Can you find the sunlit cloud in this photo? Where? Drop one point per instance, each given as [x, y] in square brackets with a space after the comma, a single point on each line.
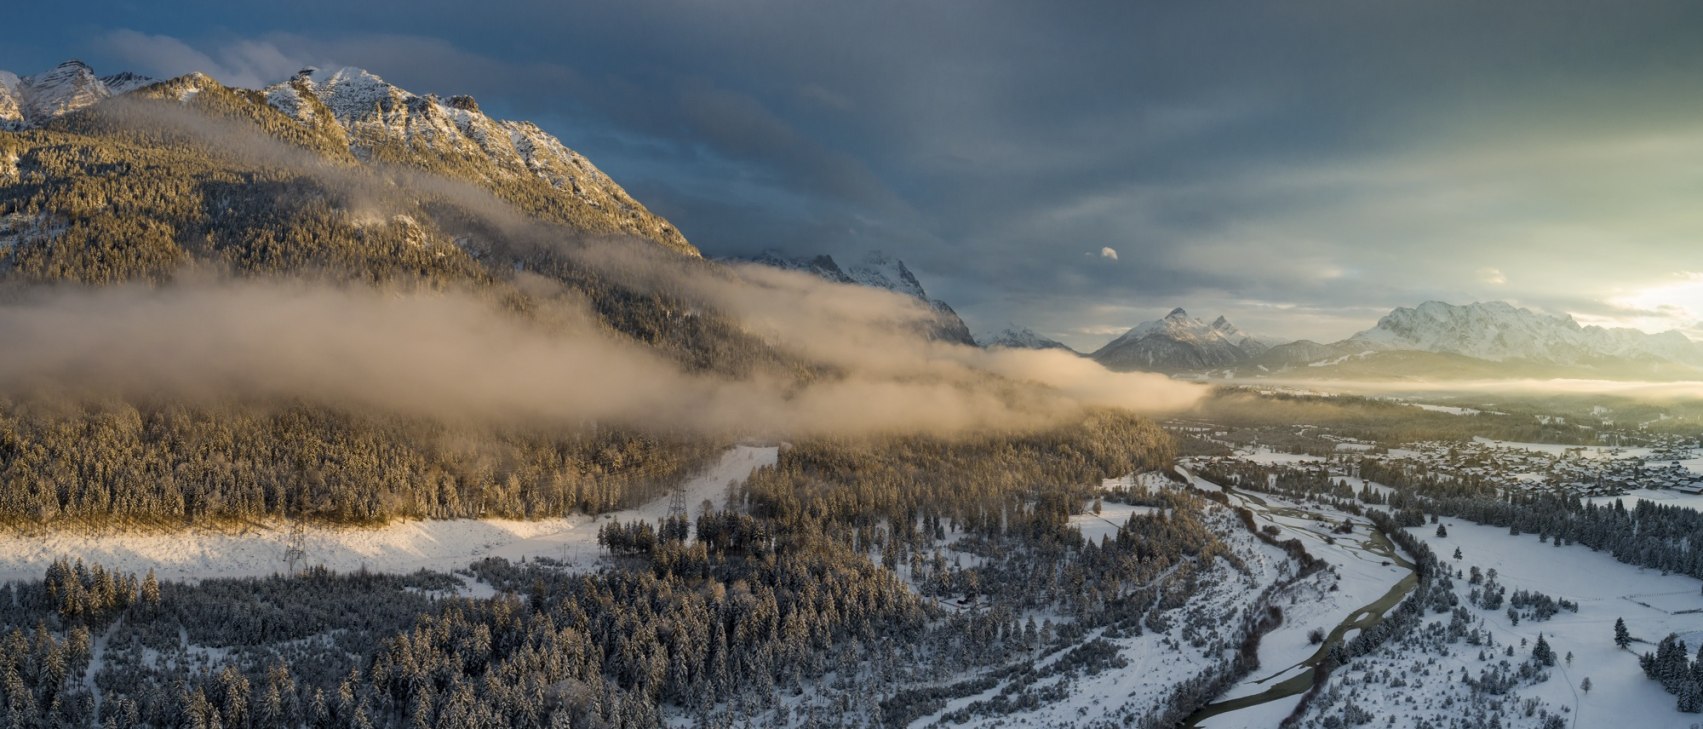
[1674, 304]
[1109, 252]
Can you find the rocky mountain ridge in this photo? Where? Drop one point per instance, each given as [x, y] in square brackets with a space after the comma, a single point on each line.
[876, 269]
[378, 123]
[1179, 343]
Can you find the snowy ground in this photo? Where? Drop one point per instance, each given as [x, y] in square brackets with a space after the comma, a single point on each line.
[399, 547]
[1652, 604]
[1359, 576]
[1662, 497]
[1556, 449]
[1269, 457]
[1155, 668]
[1112, 517]
[1450, 409]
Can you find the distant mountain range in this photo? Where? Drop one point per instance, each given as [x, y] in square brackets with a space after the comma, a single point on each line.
[877, 270]
[1433, 340]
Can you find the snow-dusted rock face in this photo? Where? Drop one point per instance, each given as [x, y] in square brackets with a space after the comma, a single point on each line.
[1019, 337]
[820, 266]
[879, 270]
[378, 121]
[875, 270]
[1179, 343]
[31, 101]
[379, 117]
[11, 106]
[1499, 332]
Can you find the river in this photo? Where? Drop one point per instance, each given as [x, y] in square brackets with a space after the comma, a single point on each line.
[1362, 618]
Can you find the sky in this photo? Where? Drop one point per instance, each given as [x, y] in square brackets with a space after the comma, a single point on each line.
[1076, 168]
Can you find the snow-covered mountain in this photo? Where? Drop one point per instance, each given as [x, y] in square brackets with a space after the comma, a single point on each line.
[379, 122]
[1499, 332]
[382, 120]
[1019, 337]
[1179, 343]
[31, 101]
[876, 270]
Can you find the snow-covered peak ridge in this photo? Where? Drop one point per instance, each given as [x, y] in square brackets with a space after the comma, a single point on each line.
[378, 120]
[882, 271]
[1180, 326]
[375, 114]
[1179, 343]
[1019, 337]
[821, 266]
[30, 101]
[1499, 331]
[875, 270]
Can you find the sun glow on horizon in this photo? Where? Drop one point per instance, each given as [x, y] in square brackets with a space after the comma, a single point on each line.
[1674, 305]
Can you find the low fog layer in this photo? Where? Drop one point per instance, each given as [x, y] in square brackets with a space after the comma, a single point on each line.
[1642, 390]
[456, 357]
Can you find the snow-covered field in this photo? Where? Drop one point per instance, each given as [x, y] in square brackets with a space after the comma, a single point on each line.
[1359, 576]
[1158, 662]
[1652, 604]
[1450, 409]
[1664, 497]
[401, 547]
[1269, 457]
[1111, 518]
[1556, 449]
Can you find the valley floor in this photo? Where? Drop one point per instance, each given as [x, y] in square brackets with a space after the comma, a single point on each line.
[258, 550]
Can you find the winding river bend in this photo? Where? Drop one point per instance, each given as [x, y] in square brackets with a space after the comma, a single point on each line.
[1361, 618]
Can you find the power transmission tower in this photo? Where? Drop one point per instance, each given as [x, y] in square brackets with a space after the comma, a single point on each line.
[677, 501]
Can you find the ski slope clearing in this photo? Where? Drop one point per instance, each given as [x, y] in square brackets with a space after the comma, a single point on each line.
[1423, 680]
[401, 547]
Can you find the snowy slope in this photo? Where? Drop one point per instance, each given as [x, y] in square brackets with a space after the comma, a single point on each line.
[11, 100]
[378, 116]
[882, 271]
[31, 101]
[378, 121]
[1179, 343]
[255, 550]
[875, 270]
[1018, 337]
[823, 266]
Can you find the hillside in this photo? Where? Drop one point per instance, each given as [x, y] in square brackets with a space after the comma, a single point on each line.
[333, 185]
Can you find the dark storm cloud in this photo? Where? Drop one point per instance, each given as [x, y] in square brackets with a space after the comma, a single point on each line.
[1298, 166]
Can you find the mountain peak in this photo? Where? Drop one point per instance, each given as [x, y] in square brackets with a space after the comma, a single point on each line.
[35, 100]
[1019, 337]
[883, 271]
[1179, 343]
